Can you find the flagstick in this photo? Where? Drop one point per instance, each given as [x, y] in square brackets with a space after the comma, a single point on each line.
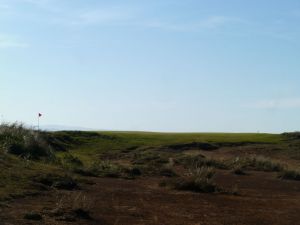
[38, 122]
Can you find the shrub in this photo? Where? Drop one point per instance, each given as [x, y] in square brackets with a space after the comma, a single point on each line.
[81, 207]
[133, 172]
[238, 170]
[71, 162]
[263, 164]
[290, 175]
[198, 180]
[257, 163]
[200, 161]
[70, 208]
[105, 169]
[167, 172]
[26, 143]
[56, 181]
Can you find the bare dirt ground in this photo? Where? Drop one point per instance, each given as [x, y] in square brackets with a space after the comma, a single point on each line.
[263, 199]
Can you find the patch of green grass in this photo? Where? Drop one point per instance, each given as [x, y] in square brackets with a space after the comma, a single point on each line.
[158, 139]
[18, 176]
[70, 162]
[119, 145]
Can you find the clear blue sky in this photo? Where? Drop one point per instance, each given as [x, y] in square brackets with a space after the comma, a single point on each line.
[159, 65]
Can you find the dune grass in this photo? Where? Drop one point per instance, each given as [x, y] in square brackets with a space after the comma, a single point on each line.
[28, 158]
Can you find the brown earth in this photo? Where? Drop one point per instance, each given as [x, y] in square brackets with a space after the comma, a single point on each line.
[263, 199]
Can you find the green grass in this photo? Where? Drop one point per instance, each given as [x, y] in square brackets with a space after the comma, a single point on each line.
[121, 141]
[18, 176]
[156, 139]
[143, 149]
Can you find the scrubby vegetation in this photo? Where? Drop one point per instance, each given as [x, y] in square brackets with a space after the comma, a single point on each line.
[26, 143]
[199, 179]
[200, 161]
[65, 163]
[28, 163]
[290, 174]
[31, 161]
[258, 163]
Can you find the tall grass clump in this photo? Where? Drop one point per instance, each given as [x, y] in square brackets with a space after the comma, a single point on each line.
[105, 169]
[290, 175]
[70, 161]
[200, 161]
[27, 143]
[258, 163]
[198, 179]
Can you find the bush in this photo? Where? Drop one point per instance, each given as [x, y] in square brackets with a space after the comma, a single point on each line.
[198, 180]
[167, 172]
[256, 163]
[290, 175]
[105, 169]
[200, 161]
[238, 170]
[71, 208]
[267, 165]
[56, 181]
[133, 172]
[71, 162]
[26, 143]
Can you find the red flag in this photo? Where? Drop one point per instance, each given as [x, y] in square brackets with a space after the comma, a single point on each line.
[40, 114]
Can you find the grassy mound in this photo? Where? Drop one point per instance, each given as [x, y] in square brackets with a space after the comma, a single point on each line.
[26, 143]
[28, 163]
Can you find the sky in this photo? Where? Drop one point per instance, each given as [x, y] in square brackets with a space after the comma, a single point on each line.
[171, 65]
